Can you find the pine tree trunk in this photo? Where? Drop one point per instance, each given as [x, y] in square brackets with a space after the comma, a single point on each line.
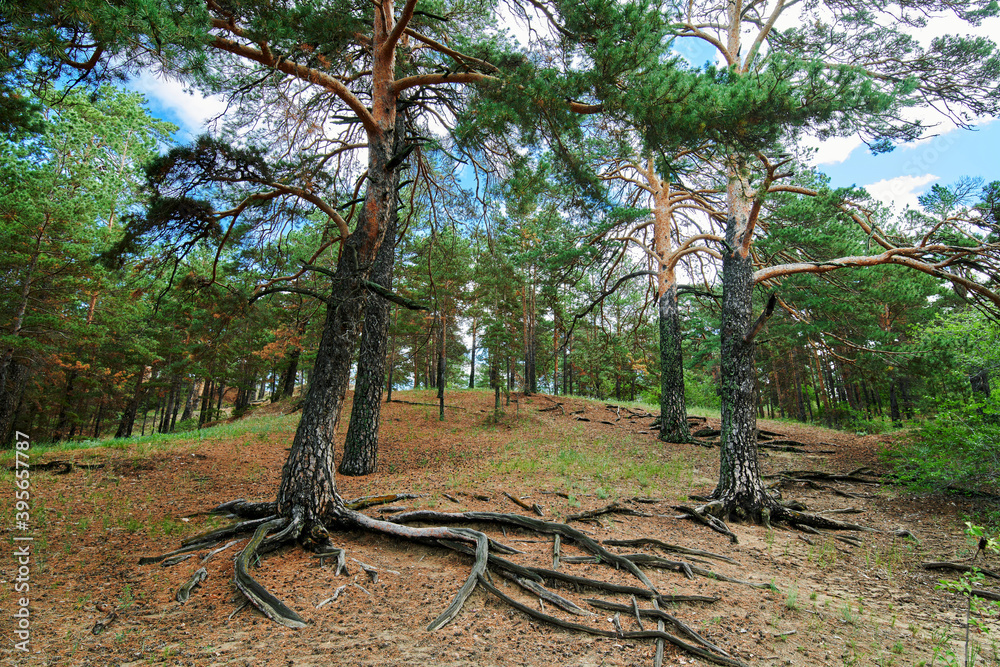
[800, 397]
[441, 368]
[206, 401]
[740, 489]
[97, 418]
[361, 442]
[673, 411]
[10, 401]
[894, 415]
[555, 355]
[308, 487]
[177, 403]
[472, 358]
[64, 416]
[220, 394]
[127, 421]
[168, 409]
[189, 402]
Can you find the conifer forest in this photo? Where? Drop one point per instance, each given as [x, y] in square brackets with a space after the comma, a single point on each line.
[526, 332]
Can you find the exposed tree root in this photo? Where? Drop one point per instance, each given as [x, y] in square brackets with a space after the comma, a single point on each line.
[433, 405]
[792, 447]
[613, 508]
[704, 516]
[184, 593]
[258, 596]
[59, 466]
[767, 511]
[816, 475]
[523, 505]
[958, 567]
[669, 547]
[270, 531]
[643, 634]
[682, 627]
[986, 595]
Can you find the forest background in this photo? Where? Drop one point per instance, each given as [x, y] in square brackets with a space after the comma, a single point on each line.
[521, 264]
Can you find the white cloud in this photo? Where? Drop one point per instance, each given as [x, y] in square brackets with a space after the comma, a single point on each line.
[946, 23]
[192, 109]
[830, 151]
[900, 192]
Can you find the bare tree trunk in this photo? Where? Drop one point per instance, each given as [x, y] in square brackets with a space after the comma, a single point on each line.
[10, 401]
[472, 358]
[206, 401]
[361, 442]
[127, 421]
[64, 413]
[740, 488]
[189, 401]
[441, 366]
[308, 487]
[673, 410]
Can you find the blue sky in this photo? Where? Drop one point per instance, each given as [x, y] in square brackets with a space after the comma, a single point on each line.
[911, 169]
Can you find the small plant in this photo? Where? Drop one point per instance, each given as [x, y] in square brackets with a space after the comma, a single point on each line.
[976, 608]
[126, 598]
[792, 599]
[847, 614]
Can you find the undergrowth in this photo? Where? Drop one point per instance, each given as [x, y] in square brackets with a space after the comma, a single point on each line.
[955, 450]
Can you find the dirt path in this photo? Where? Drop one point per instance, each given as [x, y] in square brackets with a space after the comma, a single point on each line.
[836, 604]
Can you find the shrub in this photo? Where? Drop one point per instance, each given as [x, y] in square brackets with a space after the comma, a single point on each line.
[960, 447]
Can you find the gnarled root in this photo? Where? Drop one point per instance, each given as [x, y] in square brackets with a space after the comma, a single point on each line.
[270, 531]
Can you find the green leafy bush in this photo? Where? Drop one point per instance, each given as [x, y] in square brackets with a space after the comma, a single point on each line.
[960, 447]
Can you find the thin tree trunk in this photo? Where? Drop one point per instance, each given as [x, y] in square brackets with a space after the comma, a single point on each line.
[127, 421]
[441, 366]
[177, 404]
[206, 401]
[97, 418]
[156, 415]
[472, 358]
[800, 397]
[64, 417]
[894, 414]
[673, 410]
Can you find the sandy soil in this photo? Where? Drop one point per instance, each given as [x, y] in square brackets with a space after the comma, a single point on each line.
[835, 603]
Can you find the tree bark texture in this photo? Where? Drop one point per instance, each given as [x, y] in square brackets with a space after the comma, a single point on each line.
[127, 421]
[361, 443]
[673, 411]
[740, 487]
[10, 400]
[307, 479]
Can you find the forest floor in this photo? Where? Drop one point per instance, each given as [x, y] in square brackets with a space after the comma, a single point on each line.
[834, 603]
